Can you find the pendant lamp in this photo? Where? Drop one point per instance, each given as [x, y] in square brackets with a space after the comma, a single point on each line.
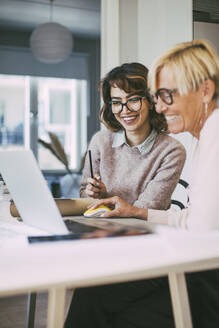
[51, 43]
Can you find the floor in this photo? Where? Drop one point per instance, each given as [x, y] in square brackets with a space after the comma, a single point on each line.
[13, 310]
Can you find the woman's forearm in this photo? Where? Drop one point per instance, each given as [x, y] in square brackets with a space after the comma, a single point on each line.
[140, 213]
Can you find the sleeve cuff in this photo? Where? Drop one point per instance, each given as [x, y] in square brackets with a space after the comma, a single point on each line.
[157, 216]
[171, 217]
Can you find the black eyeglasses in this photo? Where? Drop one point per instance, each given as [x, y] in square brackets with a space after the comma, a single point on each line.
[166, 95]
[133, 104]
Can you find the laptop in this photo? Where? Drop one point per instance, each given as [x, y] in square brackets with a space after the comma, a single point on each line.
[31, 194]
[35, 203]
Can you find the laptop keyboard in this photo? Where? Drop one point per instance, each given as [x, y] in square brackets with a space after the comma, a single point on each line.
[77, 227]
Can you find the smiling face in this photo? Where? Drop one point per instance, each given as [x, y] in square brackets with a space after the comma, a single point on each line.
[136, 123]
[186, 111]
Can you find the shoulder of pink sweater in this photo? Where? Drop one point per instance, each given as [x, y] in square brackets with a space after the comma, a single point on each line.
[164, 140]
[103, 136]
[104, 133]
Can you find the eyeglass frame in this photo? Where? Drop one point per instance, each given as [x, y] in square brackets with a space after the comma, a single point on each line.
[170, 94]
[125, 104]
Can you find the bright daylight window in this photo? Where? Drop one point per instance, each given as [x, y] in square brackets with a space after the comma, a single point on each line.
[61, 109]
[13, 112]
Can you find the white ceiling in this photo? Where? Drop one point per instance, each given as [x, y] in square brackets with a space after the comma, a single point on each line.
[82, 17]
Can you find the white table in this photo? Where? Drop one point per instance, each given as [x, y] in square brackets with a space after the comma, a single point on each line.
[61, 265]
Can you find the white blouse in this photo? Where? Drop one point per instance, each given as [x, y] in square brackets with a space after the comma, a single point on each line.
[203, 211]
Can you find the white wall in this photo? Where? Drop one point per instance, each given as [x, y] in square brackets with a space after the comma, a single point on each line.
[162, 24]
[109, 35]
[140, 30]
[128, 33]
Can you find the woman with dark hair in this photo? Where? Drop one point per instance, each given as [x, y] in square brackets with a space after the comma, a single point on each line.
[133, 158]
[130, 77]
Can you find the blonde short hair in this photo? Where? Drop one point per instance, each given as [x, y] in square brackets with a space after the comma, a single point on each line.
[192, 63]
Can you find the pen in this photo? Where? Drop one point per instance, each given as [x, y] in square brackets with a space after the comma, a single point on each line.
[91, 167]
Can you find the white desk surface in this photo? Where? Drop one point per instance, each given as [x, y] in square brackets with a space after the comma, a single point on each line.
[87, 262]
[59, 265]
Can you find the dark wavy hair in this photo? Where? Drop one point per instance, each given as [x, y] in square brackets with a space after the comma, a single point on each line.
[130, 77]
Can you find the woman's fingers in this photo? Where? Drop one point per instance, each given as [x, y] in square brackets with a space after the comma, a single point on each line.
[111, 214]
[93, 182]
[97, 176]
[92, 188]
[121, 207]
[105, 201]
[92, 194]
[95, 187]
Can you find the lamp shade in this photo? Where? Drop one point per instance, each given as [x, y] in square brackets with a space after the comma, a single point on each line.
[51, 43]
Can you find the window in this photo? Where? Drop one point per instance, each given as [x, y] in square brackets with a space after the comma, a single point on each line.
[14, 114]
[30, 107]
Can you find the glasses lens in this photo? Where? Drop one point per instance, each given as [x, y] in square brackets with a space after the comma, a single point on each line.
[134, 104]
[165, 95]
[116, 106]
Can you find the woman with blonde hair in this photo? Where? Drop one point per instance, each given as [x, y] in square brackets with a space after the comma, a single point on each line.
[185, 86]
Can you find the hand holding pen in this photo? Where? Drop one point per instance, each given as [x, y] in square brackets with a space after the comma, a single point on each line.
[95, 187]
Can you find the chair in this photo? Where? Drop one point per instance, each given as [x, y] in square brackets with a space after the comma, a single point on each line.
[179, 202]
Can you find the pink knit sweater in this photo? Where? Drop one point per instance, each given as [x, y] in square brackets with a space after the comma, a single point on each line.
[146, 181]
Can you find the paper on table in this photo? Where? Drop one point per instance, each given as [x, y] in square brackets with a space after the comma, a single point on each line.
[66, 206]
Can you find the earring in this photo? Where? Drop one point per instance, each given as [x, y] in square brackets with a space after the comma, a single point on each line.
[206, 109]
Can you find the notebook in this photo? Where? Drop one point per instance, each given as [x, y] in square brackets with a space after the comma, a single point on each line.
[33, 198]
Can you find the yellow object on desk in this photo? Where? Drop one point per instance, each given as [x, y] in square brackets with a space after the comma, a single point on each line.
[97, 212]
